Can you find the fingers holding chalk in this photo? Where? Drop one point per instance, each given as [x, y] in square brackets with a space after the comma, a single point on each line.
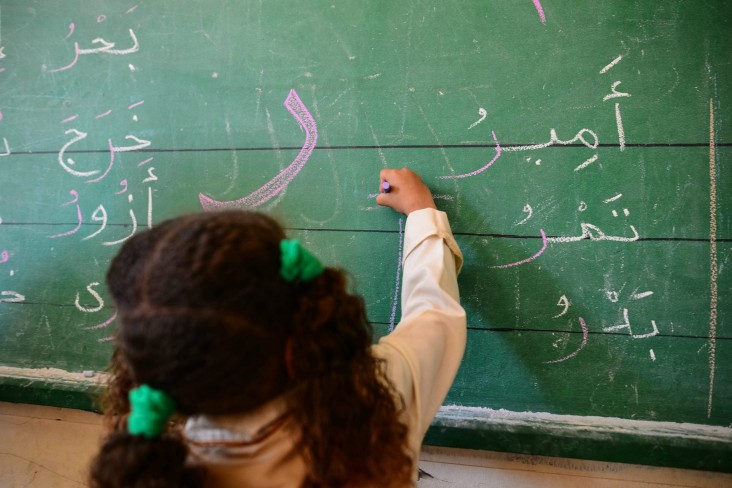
[384, 195]
[403, 191]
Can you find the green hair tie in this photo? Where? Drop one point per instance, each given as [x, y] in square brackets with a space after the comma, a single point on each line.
[297, 263]
[150, 410]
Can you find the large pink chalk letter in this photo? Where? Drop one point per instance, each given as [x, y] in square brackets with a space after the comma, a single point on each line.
[539, 9]
[274, 186]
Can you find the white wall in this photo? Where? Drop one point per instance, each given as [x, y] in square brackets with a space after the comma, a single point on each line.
[44, 447]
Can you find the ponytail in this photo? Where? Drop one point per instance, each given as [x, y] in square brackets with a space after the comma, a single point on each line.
[345, 406]
[143, 455]
[134, 461]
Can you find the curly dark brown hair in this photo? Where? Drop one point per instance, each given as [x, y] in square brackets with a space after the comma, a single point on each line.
[205, 317]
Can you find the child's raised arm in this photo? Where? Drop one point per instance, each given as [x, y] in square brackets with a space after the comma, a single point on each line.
[425, 349]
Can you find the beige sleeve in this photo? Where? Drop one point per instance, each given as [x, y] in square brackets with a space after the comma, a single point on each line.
[425, 349]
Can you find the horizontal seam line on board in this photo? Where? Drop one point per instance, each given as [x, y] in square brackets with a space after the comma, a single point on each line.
[57, 224]
[394, 231]
[388, 146]
[51, 304]
[598, 333]
[483, 329]
[502, 236]
[590, 332]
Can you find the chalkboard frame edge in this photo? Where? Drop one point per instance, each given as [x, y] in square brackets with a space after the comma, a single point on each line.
[51, 393]
[533, 435]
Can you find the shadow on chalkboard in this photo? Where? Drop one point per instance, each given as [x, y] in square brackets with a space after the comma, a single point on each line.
[520, 342]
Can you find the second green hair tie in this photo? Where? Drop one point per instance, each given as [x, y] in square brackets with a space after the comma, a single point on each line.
[150, 410]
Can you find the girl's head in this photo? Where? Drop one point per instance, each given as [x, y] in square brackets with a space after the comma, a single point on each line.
[206, 317]
[203, 313]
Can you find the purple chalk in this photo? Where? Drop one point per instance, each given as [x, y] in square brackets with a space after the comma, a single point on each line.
[386, 187]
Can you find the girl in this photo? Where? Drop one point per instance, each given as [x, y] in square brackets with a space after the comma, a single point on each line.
[269, 359]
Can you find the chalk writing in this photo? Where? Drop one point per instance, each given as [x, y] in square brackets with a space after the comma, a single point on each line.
[122, 190]
[90, 289]
[104, 324]
[100, 215]
[612, 63]
[106, 48]
[397, 283]
[529, 211]
[67, 163]
[14, 297]
[713, 261]
[480, 170]
[626, 325]
[594, 233]
[532, 258]
[6, 151]
[614, 296]
[554, 139]
[9, 296]
[614, 93]
[563, 302]
[540, 10]
[576, 351]
[74, 200]
[132, 231]
[123, 184]
[277, 184]
[587, 162]
[483, 114]
[640, 296]
[592, 143]
[589, 231]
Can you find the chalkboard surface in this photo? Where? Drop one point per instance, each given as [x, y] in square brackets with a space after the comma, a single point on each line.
[581, 149]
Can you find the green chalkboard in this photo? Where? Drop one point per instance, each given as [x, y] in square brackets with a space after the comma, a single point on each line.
[582, 150]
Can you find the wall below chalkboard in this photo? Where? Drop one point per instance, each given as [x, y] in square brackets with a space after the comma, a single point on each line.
[45, 446]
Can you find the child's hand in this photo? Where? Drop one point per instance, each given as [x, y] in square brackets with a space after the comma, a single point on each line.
[407, 194]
